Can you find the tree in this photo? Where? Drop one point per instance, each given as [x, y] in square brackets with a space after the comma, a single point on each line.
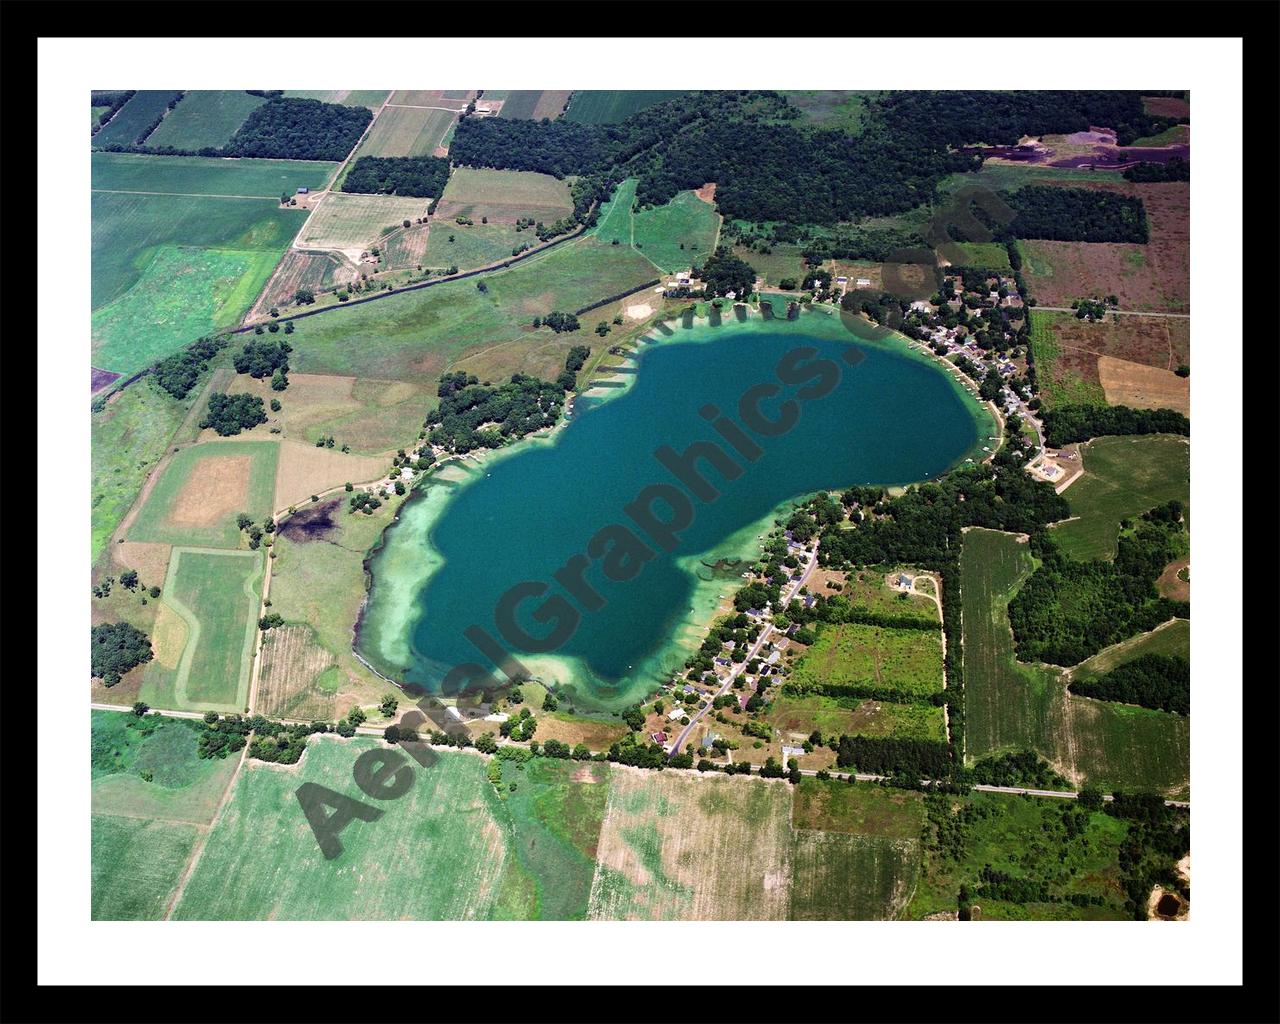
[129, 579]
[140, 708]
[154, 591]
[230, 414]
[115, 649]
[724, 273]
[270, 621]
[279, 381]
[391, 734]
[1090, 799]
[549, 702]
[275, 405]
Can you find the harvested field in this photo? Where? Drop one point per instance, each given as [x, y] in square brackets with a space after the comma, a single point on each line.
[214, 490]
[150, 561]
[683, 847]
[298, 269]
[597, 734]
[1175, 581]
[1143, 387]
[503, 196]
[304, 470]
[428, 98]
[851, 878]
[368, 416]
[1166, 106]
[406, 248]
[438, 853]
[406, 131]
[354, 223]
[291, 663]
[1154, 277]
[198, 494]
[534, 104]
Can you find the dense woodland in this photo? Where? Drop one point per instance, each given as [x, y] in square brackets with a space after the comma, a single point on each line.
[1153, 681]
[1070, 423]
[1069, 610]
[1176, 169]
[422, 176]
[1075, 215]
[723, 273]
[115, 648]
[177, 374]
[230, 414]
[473, 415]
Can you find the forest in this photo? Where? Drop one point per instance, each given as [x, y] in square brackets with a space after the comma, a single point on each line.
[1176, 169]
[1069, 610]
[419, 176]
[1075, 215]
[522, 405]
[177, 374]
[1070, 423]
[723, 273]
[117, 647]
[230, 414]
[1153, 681]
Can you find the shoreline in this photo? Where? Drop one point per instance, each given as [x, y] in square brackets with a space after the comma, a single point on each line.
[690, 627]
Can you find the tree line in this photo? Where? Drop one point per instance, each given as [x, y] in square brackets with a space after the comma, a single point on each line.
[421, 176]
[1070, 423]
[1152, 680]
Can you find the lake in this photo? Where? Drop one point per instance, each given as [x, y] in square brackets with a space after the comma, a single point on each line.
[474, 529]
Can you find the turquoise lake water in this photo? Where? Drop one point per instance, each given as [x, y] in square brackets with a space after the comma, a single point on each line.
[477, 528]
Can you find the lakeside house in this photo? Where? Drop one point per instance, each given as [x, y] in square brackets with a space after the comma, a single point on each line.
[659, 738]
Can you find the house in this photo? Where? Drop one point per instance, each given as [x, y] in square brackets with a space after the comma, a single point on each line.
[791, 752]
[688, 688]
[303, 190]
[808, 601]
[708, 740]
[773, 658]
[904, 581]
[863, 282]
[659, 738]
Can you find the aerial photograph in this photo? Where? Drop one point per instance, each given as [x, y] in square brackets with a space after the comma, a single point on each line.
[614, 505]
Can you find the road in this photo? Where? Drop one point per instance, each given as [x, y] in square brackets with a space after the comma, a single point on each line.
[741, 666]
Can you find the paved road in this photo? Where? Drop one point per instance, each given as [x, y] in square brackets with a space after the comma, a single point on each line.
[739, 667]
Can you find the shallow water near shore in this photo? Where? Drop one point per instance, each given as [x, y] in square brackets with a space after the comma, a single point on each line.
[476, 528]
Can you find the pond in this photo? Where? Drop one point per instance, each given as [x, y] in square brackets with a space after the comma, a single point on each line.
[867, 411]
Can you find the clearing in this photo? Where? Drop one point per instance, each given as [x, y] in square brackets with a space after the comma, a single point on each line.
[502, 196]
[354, 223]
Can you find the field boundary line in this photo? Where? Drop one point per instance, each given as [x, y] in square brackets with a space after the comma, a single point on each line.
[188, 195]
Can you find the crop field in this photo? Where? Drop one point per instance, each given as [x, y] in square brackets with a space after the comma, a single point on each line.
[205, 117]
[292, 665]
[368, 416]
[1010, 706]
[1001, 177]
[134, 117]
[470, 246]
[216, 594]
[1155, 277]
[502, 196]
[304, 470]
[372, 98]
[907, 661]
[609, 106]
[615, 223]
[205, 176]
[1172, 640]
[798, 716]
[136, 866]
[681, 847]
[1067, 377]
[199, 493]
[534, 104]
[298, 269]
[437, 853]
[1025, 838]
[987, 255]
[406, 131]
[406, 248]
[1143, 387]
[182, 294]
[553, 821]
[416, 336]
[355, 222]
[429, 98]
[129, 437]
[1123, 477]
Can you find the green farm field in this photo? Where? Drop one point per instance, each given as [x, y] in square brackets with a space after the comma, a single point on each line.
[531, 104]
[503, 197]
[137, 864]
[134, 117]
[905, 661]
[1010, 706]
[129, 436]
[673, 236]
[406, 131]
[1025, 838]
[205, 176]
[475, 245]
[419, 335]
[986, 255]
[205, 117]
[217, 596]
[356, 222]
[182, 294]
[197, 497]
[437, 853]
[609, 106]
[1059, 385]
[1123, 478]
